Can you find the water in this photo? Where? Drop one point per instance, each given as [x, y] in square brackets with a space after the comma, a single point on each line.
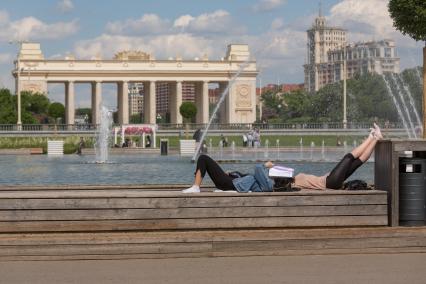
[233, 149]
[278, 149]
[404, 105]
[397, 106]
[219, 103]
[102, 137]
[411, 101]
[130, 169]
[323, 150]
[312, 149]
[266, 149]
[301, 148]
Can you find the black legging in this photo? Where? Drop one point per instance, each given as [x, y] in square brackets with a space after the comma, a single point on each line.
[342, 171]
[220, 179]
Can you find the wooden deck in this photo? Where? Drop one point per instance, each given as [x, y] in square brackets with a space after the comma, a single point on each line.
[94, 209]
[217, 243]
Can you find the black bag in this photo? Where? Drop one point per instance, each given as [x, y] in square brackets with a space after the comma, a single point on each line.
[356, 185]
[284, 185]
[236, 174]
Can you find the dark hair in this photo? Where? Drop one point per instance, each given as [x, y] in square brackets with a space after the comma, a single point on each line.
[283, 183]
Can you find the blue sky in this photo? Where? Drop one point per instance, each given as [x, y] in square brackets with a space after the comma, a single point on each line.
[274, 29]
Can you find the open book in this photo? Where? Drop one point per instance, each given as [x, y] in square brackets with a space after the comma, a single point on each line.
[281, 171]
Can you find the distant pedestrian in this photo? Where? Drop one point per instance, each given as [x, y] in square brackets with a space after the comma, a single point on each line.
[245, 140]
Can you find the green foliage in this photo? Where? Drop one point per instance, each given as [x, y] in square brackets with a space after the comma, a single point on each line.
[409, 17]
[7, 107]
[188, 110]
[368, 99]
[56, 110]
[136, 118]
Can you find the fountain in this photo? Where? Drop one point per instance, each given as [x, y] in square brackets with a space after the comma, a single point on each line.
[278, 149]
[219, 103]
[345, 147]
[266, 154]
[312, 149]
[301, 148]
[233, 149]
[411, 101]
[323, 150]
[210, 146]
[397, 106]
[102, 136]
[404, 105]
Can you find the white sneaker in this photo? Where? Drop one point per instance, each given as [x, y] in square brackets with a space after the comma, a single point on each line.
[377, 132]
[192, 189]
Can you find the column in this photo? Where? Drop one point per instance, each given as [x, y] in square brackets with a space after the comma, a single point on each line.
[202, 101]
[96, 102]
[175, 101]
[149, 105]
[69, 103]
[18, 96]
[123, 102]
[223, 108]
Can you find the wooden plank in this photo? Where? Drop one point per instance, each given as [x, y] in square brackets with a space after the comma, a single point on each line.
[341, 243]
[191, 213]
[188, 202]
[163, 194]
[245, 247]
[106, 249]
[208, 235]
[202, 223]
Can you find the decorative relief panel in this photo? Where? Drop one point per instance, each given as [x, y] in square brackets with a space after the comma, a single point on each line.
[35, 87]
[243, 96]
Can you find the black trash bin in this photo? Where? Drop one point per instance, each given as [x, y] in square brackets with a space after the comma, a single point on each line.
[412, 191]
[164, 146]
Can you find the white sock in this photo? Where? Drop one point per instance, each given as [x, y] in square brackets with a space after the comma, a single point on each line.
[193, 189]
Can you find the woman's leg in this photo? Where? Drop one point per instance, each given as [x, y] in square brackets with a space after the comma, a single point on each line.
[219, 177]
[352, 161]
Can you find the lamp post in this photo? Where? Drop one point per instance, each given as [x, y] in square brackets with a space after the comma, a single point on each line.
[18, 84]
[345, 121]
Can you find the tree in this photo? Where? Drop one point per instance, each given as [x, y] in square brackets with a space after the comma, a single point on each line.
[7, 109]
[409, 17]
[56, 110]
[188, 110]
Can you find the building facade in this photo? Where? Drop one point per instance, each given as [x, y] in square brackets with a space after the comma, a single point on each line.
[33, 72]
[328, 52]
[321, 40]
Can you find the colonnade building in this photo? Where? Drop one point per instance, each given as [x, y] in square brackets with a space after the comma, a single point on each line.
[33, 73]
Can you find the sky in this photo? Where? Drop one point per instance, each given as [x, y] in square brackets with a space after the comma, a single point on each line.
[275, 31]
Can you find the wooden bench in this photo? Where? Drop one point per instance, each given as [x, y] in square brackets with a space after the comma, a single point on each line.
[144, 209]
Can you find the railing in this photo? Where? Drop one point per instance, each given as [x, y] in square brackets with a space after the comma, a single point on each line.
[194, 126]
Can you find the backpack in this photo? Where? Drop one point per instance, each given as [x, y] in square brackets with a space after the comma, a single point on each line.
[356, 185]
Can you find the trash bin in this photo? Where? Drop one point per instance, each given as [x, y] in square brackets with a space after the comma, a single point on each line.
[412, 191]
[164, 146]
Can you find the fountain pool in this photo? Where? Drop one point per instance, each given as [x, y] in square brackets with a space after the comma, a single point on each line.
[129, 169]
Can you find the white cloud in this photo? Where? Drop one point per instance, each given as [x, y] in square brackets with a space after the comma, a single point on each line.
[161, 46]
[367, 20]
[65, 6]
[183, 21]
[31, 28]
[4, 17]
[267, 5]
[217, 22]
[277, 23]
[5, 58]
[147, 24]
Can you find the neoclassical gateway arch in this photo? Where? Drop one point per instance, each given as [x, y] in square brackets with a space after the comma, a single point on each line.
[35, 73]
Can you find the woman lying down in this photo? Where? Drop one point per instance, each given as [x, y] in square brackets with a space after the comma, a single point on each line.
[261, 181]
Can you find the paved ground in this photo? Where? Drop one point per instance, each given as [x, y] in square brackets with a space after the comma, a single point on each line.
[384, 268]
